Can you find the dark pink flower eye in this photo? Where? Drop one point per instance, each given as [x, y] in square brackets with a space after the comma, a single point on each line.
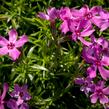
[10, 45]
[98, 63]
[88, 16]
[77, 32]
[21, 94]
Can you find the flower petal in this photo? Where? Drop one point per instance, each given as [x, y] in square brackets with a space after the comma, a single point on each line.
[3, 51]
[12, 104]
[87, 32]
[5, 89]
[104, 99]
[43, 16]
[87, 55]
[21, 41]
[106, 90]
[104, 26]
[19, 101]
[2, 106]
[97, 20]
[64, 27]
[12, 35]
[84, 10]
[103, 72]
[96, 10]
[84, 41]
[76, 13]
[3, 41]
[79, 81]
[14, 54]
[52, 13]
[105, 60]
[65, 13]
[24, 106]
[94, 98]
[16, 91]
[26, 96]
[92, 71]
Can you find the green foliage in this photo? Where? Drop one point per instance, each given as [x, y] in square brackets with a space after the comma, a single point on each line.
[48, 66]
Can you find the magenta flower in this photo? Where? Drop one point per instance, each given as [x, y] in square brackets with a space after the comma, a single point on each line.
[13, 104]
[2, 102]
[102, 21]
[97, 55]
[83, 13]
[100, 93]
[87, 84]
[69, 21]
[19, 96]
[12, 45]
[87, 14]
[65, 13]
[52, 14]
[21, 93]
[90, 13]
[81, 31]
[68, 25]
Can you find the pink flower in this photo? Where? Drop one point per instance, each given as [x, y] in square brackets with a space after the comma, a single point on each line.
[52, 14]
[12, 104]
[90, 13]
[80, 32]
[65, 13]
[100, 93]
[102, 21]
[69, 21]
[20, 96]
[5, 89]
[87, 14]
[87, 84]
[12, 45]
[21, 93]
[97, 55]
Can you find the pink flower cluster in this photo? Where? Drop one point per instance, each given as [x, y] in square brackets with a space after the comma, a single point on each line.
[18, 97]
[82, 24]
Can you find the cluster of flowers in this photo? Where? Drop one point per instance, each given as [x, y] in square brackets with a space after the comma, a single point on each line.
[82, 23]
[17, 98]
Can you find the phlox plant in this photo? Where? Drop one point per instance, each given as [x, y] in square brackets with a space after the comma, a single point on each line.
[56, 58]
[80, 23]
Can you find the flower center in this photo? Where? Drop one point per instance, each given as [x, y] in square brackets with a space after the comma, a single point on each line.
[10, 45]
[99, 92]
[77, 32]
[97, 63]
[88, 16]
[21, 94]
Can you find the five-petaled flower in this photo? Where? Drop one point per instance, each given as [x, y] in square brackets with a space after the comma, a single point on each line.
[21, 92]
[87, 84]
[19, 97]
[100, 93]
[97, 56]
[12, 45]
